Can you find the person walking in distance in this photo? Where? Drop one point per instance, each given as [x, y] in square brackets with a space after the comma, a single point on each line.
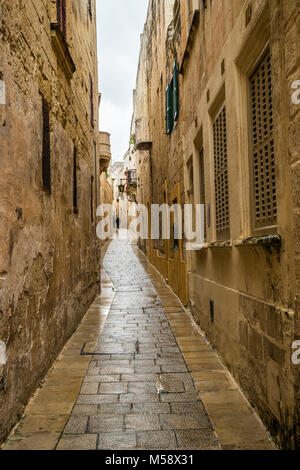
[118, 224]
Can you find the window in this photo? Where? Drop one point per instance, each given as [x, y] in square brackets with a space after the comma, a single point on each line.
[264, 200]
[62, 16]
[172, 100]
[75, 197]
[90, 8]
[169, 106]
[202, 186]
[175, 92]
[92, 199]
[132, 178]
[91, 101]
[190, 11]
[190, 174]
[59, 38]
[177, 19]
[175, 228]
[46, 162]
[221, 176]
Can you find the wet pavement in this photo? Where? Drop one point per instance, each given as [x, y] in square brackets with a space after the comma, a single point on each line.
[138, 374]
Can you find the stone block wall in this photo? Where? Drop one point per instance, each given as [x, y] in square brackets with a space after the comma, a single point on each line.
[291, 25]
[254, 288]
[49, 272]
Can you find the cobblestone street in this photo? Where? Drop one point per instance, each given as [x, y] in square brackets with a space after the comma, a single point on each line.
[138, 374]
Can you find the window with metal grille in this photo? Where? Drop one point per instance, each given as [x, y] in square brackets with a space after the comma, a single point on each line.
[61, 8]
[75, 191]
[202, 187]
[262, 148]
[91, 101]
[46, 157]
[221, 176]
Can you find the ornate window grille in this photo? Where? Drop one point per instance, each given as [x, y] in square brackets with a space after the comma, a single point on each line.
[262, 146]
[221, 176]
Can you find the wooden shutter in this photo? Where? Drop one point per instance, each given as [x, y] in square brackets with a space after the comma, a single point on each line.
[46, 155]
[263, 154]
[221, 176]
[169, 108]
[62, 16]
[175, 92]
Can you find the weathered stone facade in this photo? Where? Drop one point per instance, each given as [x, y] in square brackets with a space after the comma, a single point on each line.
[49, 272]
[244, 284]
[106, 193]
[106, 196]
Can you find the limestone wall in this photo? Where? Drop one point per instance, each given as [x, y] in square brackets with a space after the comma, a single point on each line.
[291, 74]
[49, 273]
[254, 288]
[106, 193]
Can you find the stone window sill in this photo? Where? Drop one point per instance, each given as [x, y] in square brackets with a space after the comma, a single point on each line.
[205, 246]
[201, 246]
[223, 244]
[264, 241]
[61, 50]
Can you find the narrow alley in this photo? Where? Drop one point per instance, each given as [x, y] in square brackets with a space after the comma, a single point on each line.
[137, 374]
[150, 226]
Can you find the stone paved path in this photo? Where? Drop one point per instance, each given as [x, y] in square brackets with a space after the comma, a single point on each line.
[137, 374]
[138, 392]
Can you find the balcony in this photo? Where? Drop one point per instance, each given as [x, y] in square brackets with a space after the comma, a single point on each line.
[104, 150]
[142, 134]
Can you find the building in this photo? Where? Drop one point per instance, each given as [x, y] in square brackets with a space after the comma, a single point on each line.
[49, 271]
[124, 184]
[104, 150]
[131, 182]
[117, 177]
[216, 125]
[106, 192]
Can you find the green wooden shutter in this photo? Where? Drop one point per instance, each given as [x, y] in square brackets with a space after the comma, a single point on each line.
[169, 108]
[175, 92]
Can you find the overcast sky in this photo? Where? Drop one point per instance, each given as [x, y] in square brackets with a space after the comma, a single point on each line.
[119, 23]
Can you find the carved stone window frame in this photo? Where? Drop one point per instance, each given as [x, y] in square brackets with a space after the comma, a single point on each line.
[214, 110]
[62, 44]
[254, 46]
